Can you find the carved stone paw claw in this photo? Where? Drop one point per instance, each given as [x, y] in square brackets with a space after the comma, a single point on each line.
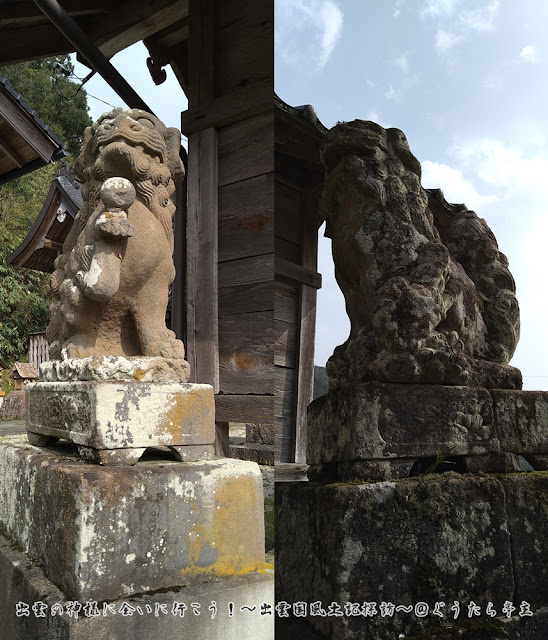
[115, 224]
[166, 349]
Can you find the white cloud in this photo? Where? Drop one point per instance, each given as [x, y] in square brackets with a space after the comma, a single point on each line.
[402, 62]
[397, 8]
[392, 94]
[482, 18]
[307, 30]
[457, 19]
[446, 41]
[330, 23]
[437, 8]
[529, 53]
[455, 186]
[504, 166]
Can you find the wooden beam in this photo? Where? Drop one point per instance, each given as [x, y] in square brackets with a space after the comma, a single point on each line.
[246, 218]
[131, 22]
[222, 442]
[307, 313]
[246, 353]
[248, 408]
[290, 472]
[178, 57]
[179, 256]
[228, 109]
[37, 41]
[25, 126]
[202, 256]
[246, 270]
[246, 298]
[291, 271]
[24, 12]
[201, 54]
[170, 36]
[50, 244]
[11, 153]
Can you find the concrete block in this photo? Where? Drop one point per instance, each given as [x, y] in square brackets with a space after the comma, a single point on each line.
[110, 532]
[122, 416]
[231, 608]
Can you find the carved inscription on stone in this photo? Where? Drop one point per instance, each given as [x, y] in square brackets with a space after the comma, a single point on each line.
[70, 411]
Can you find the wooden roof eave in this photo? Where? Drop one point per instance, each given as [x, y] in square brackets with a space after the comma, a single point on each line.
[26, 125]
[26, 33]
[38, 232]
[27, 142]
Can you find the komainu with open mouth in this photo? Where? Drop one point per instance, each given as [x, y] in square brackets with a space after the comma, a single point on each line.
[429, 295]
[111, 281]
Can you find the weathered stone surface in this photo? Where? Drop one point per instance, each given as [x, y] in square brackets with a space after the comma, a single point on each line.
[376, 421]
[377, 431]
[259, 453]
[259, 433]
[429, 296]
[442, 538]
[111, 281]
[527, 499]
[492, 463]
[115, 368]
[13, 407]
[522, 420]
[109, 533]
[152, 615]
[122, 415]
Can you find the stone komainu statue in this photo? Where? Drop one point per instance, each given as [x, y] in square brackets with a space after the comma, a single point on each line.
[430, 297]
[111, 281]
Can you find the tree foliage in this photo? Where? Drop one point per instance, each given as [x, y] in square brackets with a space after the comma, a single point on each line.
[24, 293]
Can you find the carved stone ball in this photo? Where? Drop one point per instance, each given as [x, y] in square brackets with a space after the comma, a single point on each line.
[117, 193]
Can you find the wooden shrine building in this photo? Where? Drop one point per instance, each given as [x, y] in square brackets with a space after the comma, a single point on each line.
[44, 241]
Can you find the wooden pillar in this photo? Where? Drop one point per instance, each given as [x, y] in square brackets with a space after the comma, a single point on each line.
[307, 320]
[202, 279]
[230, 245]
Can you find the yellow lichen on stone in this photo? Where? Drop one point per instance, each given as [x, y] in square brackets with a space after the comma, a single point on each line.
[138, 373]
[227, 534]
[188, 412]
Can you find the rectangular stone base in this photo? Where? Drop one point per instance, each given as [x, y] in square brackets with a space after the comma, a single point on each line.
[231, 608]
[379, 431]
[107, 533]
[125, 417]
[439, 539]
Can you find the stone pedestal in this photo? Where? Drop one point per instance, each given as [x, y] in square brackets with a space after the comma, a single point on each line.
[231, 608]
[380, 431]
[415, 543]
[109, 533]
[435, 555]
[114, 408]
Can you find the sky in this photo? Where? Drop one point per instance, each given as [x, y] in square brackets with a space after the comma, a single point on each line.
[463, 79]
